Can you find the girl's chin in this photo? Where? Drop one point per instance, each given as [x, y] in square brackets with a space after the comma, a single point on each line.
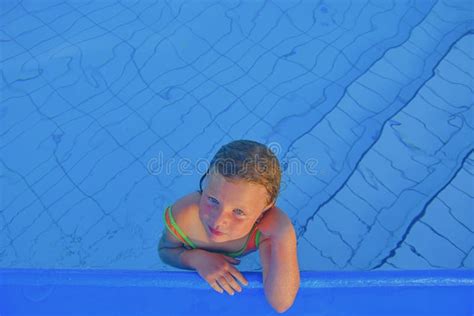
[218, 239]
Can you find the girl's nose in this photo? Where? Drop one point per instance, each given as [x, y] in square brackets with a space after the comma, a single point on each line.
[218, 220]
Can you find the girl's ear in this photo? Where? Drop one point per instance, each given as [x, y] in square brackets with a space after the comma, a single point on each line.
[269, 207]
[260, 218]
[265, 212]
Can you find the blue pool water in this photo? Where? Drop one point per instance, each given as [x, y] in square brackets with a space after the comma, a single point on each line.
[109, 112]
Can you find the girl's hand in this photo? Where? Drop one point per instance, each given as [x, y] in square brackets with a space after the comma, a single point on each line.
[218, 270]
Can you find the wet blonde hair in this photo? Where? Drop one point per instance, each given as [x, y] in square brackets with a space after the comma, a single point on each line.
[250, 161]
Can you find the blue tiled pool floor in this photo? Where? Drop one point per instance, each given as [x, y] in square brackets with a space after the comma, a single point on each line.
[101, 101]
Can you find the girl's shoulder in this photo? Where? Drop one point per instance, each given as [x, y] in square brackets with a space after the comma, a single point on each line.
[185, 208]
[273, 222]
[185, 212]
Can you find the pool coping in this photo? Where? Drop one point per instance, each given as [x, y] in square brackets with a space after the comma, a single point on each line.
[190, 279]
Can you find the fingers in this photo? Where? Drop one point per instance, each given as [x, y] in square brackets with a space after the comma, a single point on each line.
[228, 283]
[236, 273]
[216, 287]
[232, 283]
[220, 283]
[224, 282]
[226, 279]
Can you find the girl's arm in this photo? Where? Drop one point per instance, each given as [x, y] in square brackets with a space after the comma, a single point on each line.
[281, 277]
[172, 252]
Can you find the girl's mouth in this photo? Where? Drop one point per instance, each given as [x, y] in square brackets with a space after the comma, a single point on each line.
[215, 232]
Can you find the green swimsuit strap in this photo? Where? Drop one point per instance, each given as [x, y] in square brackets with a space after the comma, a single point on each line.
[257, 241]
[175, 228]
[180, 235]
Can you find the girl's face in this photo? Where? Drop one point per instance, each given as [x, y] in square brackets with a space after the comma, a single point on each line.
[230, 207]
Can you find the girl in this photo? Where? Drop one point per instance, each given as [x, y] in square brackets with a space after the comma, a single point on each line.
[233, 214]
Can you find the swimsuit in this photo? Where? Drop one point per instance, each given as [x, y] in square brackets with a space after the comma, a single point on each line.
[251, 244]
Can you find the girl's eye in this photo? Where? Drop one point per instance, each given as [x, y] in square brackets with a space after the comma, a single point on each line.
[240, 212]
[213, 200]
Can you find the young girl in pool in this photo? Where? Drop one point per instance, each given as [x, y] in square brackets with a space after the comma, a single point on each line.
[233, 214]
